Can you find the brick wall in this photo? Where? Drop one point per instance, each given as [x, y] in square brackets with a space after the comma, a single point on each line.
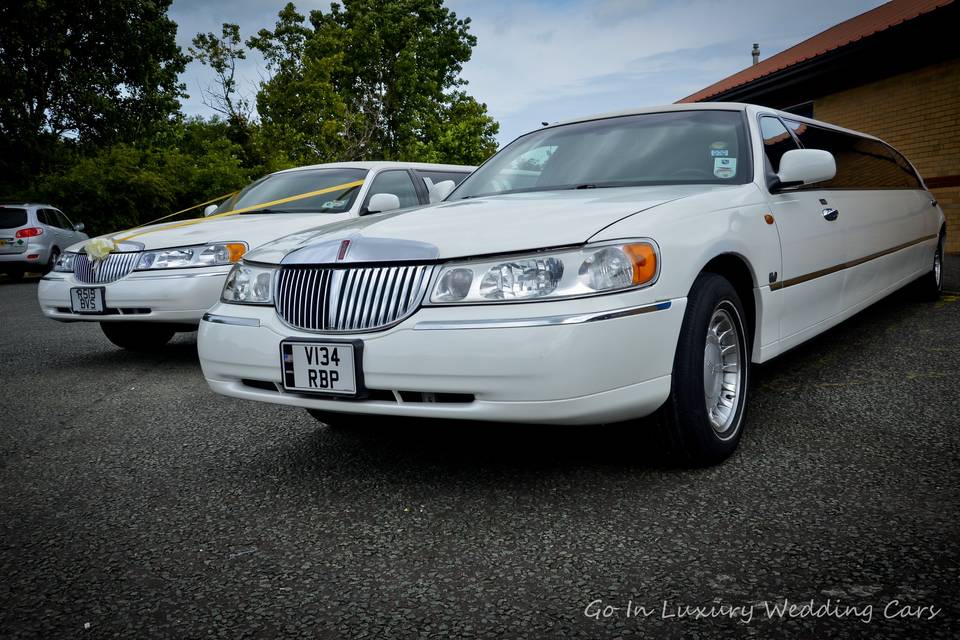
[919, 114]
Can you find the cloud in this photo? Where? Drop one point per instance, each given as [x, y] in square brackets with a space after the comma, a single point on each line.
[541, 60]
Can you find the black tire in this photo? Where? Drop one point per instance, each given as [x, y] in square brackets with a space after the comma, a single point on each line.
[138, 336]
[54, 256]
[930, 286]
[685, 427]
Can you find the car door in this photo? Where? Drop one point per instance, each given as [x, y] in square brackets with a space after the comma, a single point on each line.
[57, 227]
[72, 234]
[812, 244]
[882, 214]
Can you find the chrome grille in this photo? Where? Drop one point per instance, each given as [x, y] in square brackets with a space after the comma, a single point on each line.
[349, 299]
[114, 267]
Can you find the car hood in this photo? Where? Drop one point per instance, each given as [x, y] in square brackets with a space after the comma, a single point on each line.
[254, 229]
[493, 224]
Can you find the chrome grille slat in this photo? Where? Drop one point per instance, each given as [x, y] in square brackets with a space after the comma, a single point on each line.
[114, 267]
[343, 299]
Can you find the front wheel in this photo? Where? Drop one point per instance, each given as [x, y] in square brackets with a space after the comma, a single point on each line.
[137, 336]
[701, 422]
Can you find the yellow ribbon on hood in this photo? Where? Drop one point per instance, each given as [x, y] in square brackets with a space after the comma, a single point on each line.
[233, 212]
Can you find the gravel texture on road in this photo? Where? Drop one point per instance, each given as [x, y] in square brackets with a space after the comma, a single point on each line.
[135, 503]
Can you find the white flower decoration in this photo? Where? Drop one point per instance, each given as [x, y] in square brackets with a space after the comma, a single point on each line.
[99, 248]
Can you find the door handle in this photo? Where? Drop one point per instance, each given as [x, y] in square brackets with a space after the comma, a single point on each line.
[830, 214]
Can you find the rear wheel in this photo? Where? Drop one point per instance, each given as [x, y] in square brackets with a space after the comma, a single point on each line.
[137, 336]
[702, 419]
[930, 286]
[54, 256]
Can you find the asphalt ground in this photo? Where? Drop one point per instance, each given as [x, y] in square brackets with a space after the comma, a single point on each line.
[135, 503]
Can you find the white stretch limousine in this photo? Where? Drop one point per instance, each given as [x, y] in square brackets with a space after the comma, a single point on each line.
[593, 271]
[159, 279]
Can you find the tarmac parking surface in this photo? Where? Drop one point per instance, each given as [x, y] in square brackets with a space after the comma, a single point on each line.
[136, 503]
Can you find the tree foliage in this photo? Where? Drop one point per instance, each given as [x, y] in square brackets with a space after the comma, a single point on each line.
[97, 72]
[373, 79]
[90, 119]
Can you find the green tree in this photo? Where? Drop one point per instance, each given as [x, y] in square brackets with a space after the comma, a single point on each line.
[94, 72]
[124, 185]
[372, 79]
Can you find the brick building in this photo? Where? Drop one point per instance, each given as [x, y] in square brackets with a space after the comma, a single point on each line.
[893, 72]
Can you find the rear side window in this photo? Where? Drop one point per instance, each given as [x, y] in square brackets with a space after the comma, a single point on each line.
[776, 141]
[12, 218]
[861, 163]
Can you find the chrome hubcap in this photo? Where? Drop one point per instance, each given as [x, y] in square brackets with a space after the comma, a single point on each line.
[721, 371]
[936, 267]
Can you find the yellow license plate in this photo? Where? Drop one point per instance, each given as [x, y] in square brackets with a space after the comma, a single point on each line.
[2, 242]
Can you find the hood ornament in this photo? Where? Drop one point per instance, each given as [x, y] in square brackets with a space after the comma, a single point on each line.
[362, 249]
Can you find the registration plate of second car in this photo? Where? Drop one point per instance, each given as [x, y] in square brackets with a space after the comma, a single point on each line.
[320, 367]
[86, 299]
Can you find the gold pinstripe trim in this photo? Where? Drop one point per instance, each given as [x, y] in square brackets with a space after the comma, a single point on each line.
[847, 265]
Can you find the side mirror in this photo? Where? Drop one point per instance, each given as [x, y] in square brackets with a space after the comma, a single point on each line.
[383, 202]
[805, 166]
[441, 190]
[79, 227]
[210, 208]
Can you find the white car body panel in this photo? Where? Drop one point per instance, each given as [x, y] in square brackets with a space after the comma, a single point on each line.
[806, 274]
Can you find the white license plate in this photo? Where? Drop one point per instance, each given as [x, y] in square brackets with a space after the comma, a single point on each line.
[86, 299]
[320, 367]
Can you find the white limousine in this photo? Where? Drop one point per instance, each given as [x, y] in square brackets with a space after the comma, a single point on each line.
[592, 271]
[159, 279]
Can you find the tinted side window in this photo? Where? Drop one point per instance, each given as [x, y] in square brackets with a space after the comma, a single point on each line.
[910, 176]
[776, 141]
[62, 220]
[399, 184]
[53, 219]
[861, 163]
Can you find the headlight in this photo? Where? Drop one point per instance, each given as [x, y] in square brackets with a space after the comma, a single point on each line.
[65, 262]
[595, 268]
[248, 284]
[209, 255]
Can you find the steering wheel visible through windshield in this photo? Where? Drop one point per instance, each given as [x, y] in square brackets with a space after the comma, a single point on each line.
[680, 147]
[279, 186]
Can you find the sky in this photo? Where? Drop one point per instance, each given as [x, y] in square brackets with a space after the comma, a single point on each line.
[549, 60]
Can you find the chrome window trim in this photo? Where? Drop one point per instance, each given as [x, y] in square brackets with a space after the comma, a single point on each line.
[545, 321]
[231, 320]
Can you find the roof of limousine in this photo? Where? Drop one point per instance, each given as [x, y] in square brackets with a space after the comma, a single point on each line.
[708, 106]
[384, 164]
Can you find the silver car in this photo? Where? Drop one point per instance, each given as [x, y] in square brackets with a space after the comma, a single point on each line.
[32, 237]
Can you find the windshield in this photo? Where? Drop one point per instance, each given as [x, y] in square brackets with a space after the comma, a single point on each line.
[11, 218]
[681, 147]
[266, 191]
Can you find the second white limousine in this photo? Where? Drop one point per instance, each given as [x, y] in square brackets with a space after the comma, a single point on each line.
[592, 271]
[155, 280]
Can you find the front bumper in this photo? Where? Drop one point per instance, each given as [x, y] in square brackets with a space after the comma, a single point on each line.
[176, 295]
[570, 362]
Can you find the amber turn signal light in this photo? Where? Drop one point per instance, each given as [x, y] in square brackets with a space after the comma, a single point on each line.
[644, 259]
